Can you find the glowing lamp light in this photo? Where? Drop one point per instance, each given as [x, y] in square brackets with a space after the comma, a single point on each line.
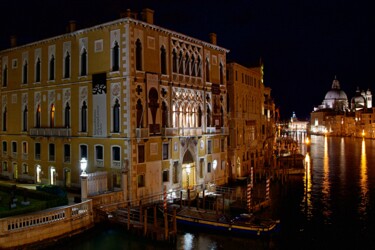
[83, 165]
[363, 132]
[307, 140]
[188, 169]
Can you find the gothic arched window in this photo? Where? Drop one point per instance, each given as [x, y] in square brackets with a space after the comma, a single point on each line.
[163, 60]
[37, 70]
[84, 63]
[115, 57]
[67, 116]
[116, 117]
[84, 117]
[67, 65]
[37, 117]
[52, 68]
[24, 120]
[138, 55]
[139, 114]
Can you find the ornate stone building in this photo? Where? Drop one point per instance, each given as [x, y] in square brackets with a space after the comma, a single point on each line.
[136, 100]
[336, 117]
[252, 116]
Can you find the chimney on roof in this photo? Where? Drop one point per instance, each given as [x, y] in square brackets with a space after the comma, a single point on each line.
[213, 38]
[148, 15]
[13, 41]
[71, 26]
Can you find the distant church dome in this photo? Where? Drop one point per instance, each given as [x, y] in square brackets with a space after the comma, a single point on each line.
[358, 101]
[336, 98]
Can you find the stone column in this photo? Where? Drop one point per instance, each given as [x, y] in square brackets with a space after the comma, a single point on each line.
[83, 186]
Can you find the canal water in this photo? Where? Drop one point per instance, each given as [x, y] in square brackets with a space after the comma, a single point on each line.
[331, 206]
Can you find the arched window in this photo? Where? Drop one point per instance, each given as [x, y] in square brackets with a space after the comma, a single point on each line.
[208, 122]
[5, 76]
[116, 117]
[37, 117]
[193, 66]
[84, 117]
[67, 65]
[67, 116]
[164, 116]
[84, 63]
[221, 74]
[115, 57]
[138, 55]
[37, 70]
[24, 116]
[181, 116]
[174, 116]
[52, 68]
[180, 63]
[207, 70]
[5, 119]
[199, 117]
[163, 60]
[175, 61]
[24, 72]
[139, 114]
[199, 67]
[187, 65]
[52, 116]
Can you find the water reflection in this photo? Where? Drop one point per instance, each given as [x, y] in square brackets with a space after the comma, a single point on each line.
[308, 187]
[326, 184]
[363, 181]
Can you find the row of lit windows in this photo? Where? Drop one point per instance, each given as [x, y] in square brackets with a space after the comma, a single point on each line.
[67, 121]
[98, 149]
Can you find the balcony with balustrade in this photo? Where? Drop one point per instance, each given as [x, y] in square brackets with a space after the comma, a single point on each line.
[51, 132]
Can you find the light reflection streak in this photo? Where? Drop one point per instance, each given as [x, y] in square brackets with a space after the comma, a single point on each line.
[326, 183]
[363, 180]
[308, 187]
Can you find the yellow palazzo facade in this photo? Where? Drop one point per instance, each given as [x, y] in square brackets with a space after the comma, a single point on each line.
[129, 96]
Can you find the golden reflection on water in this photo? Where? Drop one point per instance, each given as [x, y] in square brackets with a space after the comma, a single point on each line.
[363, 178]
[326, 182]
[308, 186]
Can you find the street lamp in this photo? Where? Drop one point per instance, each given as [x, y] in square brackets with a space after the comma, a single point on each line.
[83, 165]
[188, 174]
[214, 165]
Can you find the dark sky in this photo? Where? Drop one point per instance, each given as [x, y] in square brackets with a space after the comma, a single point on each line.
[302, 43]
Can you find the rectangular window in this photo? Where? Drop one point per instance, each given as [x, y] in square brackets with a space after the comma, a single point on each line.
[51, 152]
[116, 157]
[37, 151]
[5, 148]
[83, 151]
[25, 148]
[141, 153]
[165, 175]
[14, 147]
[209, 167]
[165, 151]
[141, 180]
[66, 153]
[99, 156]
[175, 172]
[5, 166]
[209, 147]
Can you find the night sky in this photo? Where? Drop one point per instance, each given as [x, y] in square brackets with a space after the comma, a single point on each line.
[303, 44]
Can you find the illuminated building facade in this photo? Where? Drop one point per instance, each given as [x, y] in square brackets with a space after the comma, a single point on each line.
[129, 96]
[252, 115]
[335, 116]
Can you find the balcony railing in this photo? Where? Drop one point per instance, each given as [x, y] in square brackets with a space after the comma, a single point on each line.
[116, 164]
[59, 132]
[141, 132]
[99, 163]
[181, 131]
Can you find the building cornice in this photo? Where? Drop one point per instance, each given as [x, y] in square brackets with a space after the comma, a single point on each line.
[126, 20]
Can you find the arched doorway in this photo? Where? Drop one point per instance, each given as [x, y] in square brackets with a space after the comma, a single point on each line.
[52, 175]
[38, 174]
[67, 177]
[188, 171]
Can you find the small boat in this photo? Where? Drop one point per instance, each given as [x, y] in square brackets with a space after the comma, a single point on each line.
[241, 225]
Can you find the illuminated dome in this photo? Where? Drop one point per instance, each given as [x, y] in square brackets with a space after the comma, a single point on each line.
[359, 100]
[336, 98]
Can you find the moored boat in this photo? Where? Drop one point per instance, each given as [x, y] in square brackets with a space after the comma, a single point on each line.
[241, 225]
